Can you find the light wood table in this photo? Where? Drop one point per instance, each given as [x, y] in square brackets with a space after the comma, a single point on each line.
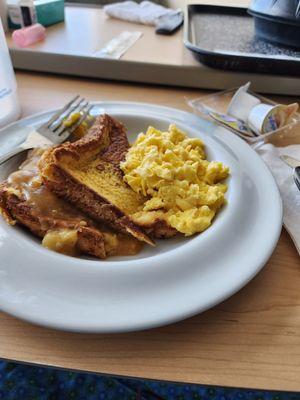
[250, 340]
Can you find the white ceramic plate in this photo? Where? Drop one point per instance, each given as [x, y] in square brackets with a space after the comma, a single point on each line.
[175, 280]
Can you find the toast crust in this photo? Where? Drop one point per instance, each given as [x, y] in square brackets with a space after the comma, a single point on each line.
[25, 200]
[69, 171]
[15, 209]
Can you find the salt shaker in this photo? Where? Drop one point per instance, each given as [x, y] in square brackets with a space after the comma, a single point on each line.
[9, 104]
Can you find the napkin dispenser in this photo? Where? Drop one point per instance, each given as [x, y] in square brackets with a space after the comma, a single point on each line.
[277, 21]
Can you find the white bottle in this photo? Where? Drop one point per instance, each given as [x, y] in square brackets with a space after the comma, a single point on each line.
[3, 14]
[9, 104]
[14, 13]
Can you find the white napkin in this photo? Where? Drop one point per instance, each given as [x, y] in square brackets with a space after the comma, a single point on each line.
[290, 194]
[145, 13]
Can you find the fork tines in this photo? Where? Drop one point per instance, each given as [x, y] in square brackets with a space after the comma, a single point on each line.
[84, 115]
[76, 105]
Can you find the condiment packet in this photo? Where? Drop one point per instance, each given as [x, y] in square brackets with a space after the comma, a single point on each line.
[231, 123]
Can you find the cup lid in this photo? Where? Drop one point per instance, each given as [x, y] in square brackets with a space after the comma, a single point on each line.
[279, 9]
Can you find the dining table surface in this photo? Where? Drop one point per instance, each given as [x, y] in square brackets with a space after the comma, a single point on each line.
[250, 340]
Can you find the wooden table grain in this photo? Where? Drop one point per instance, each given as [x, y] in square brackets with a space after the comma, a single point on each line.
[250, 340]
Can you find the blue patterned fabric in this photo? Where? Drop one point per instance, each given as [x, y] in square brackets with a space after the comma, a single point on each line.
[28, 382]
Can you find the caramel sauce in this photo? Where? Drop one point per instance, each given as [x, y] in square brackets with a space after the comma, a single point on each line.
[121, 245]
[46, 204]
[128, 246]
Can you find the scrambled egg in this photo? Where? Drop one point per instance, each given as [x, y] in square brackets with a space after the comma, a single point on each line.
[171, 170]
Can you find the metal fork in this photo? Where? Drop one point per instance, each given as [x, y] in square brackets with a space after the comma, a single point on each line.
[54, 131]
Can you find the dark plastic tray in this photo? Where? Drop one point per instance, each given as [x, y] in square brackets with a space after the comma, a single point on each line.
[223, 37]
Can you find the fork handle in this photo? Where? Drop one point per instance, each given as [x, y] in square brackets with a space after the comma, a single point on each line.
[14, 152]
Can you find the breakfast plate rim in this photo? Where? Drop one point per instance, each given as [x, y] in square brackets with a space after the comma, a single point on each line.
[193, 309]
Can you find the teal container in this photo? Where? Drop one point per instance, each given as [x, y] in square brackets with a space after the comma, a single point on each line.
[50, 12]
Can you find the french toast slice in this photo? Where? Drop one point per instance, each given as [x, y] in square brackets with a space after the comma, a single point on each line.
[25, 200]
[86, 238]
[86, 173]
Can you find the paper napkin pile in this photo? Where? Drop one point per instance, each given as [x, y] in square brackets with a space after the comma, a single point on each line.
[290, 194]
